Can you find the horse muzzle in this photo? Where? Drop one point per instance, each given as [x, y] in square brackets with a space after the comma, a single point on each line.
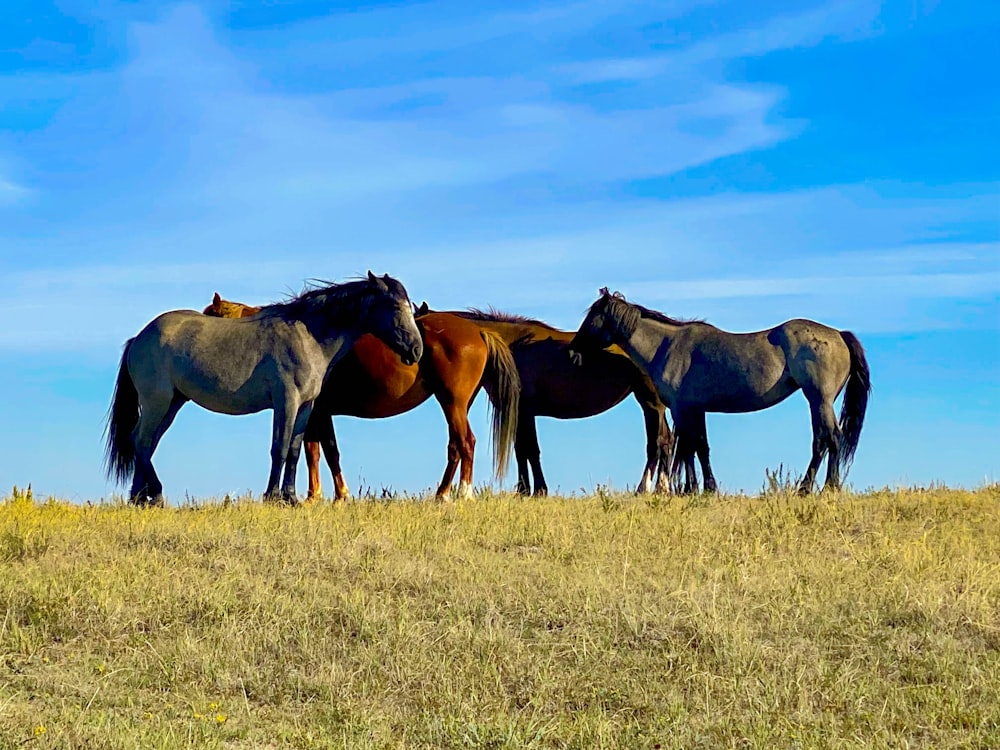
[412, 356]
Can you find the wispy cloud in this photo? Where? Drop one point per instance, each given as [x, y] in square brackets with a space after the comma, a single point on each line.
[190, 126]
[846, 19]
[11, 192]
[219, 177]
[848, 255]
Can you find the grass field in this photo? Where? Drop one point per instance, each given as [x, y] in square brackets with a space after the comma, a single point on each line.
[839, 621]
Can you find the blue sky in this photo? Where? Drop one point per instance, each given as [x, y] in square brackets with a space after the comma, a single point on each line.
[739, 162]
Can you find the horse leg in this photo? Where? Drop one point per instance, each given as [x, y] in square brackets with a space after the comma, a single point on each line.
[467, 451]
[651, 419]
[321, 431]
[824, 429]
[461, 447]
[155, 416]
[316, 432]
[683, 461]
[833, 437]
[461, 444]
[282, 428]
[665, 454]
[294, 448]
[521, 454]
[685, 430]
[527, 438]
[700, 432]
[312, 449]
[690, 475]
[453, 452]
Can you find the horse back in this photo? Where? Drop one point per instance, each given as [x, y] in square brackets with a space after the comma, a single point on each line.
[229, 365]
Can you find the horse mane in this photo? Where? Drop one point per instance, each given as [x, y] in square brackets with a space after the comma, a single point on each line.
[626, 315]
[498, 316]
[656, 315]
[350, 299]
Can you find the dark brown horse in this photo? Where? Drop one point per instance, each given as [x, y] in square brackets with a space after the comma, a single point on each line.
[553, 386]
[372, 382]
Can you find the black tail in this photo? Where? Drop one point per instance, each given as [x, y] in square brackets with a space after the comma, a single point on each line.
[852, 411]
[123, 415]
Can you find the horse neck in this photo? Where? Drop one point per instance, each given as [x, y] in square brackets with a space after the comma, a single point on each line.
[335, 333]
[647, 339]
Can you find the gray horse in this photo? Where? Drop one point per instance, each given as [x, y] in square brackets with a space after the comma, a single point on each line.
[699, 368]
[277, 359]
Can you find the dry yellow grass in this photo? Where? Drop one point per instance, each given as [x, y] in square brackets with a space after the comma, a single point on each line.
[839, 621]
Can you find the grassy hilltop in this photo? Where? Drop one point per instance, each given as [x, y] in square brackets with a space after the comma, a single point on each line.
[836, 621]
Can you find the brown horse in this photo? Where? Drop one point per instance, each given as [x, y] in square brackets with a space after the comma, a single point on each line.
[372, 382]
[553, 386]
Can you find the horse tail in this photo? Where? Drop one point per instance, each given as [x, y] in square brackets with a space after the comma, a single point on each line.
[123, 415]
[852, 411]
[503, 385]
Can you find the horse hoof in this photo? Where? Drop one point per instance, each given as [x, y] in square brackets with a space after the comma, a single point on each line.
[146, 501]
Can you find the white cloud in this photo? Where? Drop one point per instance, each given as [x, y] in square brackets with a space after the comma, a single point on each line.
[735, 260]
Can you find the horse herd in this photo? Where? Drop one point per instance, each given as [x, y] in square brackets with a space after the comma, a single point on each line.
[360, 348]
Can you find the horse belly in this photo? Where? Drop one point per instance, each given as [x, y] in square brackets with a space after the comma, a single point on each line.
[567, 395]
[737, 385]
[372, 384]
[734, 392]
[224, 395]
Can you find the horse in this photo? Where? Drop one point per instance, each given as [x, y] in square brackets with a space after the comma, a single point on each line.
[698, 368]
[551, 386]
[372, 382]
[277, 359]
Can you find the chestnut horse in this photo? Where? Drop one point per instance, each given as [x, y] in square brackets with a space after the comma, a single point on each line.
[372, 382]
[553, 386]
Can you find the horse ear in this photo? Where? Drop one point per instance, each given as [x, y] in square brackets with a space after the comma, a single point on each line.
[604, 292]
[424, 308]
[377, 282]
[217, 299]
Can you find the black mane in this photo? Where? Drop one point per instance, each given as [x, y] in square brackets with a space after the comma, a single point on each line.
[625, 315]
[349, 299]
[498, 316]
[655, 315]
